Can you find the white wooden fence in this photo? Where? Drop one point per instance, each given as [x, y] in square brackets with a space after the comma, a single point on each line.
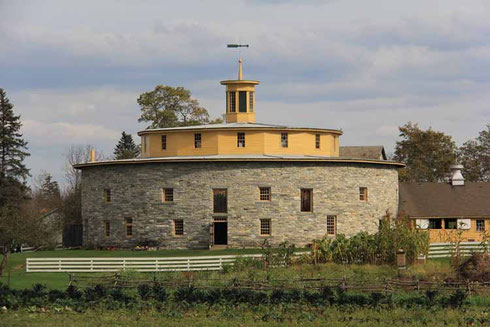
[446, 250]
[108, 264]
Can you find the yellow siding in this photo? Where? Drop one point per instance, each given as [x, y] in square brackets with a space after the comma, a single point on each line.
[452, 235]
[181, 143]
[254, 142]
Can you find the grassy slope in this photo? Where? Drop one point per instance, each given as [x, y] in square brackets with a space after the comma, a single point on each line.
[20, 279]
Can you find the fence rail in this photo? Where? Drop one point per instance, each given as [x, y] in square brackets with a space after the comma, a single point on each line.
[142, 264]
[446, 250]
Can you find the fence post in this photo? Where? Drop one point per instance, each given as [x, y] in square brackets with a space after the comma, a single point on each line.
[188, 264]
[91, 265]
[27, 265]
[220, 263]
[59, 264]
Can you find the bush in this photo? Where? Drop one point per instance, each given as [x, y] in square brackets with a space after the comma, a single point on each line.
[159, 292]
[144, 291]
[378, 248]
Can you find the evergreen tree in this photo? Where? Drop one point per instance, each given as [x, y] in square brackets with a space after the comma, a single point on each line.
[126, 148]
[13, 172]
[47, 193]
[427, 154]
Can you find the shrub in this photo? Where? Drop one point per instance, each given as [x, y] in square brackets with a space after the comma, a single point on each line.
[457, 299]
[159, 292]
[73, 292]
[378, 248]
[144, 291]
[54, 295]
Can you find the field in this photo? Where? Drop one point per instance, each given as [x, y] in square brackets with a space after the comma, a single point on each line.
[267, 296]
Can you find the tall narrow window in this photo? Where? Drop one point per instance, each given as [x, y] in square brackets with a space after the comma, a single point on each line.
[480, 225]
[178, 227]
[107, 228]
[232, 101]
[107, 195]
[264, 193]
[164, 142]
[129, 226]
[197, 140]
[220, 201]
[306, 199]
[265, 227]
[251, 101]
[242, 101]
[240, 140]
[284, 140]
[317, 141]
[168, 195]
[363, 195]
[331, 225]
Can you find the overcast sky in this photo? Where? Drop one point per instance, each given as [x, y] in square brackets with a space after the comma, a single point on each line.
[74, 69]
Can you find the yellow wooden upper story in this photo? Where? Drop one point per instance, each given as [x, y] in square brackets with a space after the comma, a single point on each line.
[237, 139]
[240, 135]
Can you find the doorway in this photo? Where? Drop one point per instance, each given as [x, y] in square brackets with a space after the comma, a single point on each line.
[220, 232]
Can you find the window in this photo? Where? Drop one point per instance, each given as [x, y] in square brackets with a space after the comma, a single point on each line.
[363, 195]
[264, 193]
[435, 224]
[197, 140]
[168, 195]
[242, 101]
[107, 228]
[284, 140]
[450, 224]
[129, 226]
[306, 199]
[331, 225]
[480, 225]
[240, 137]
[164, 142]
[178, 227]
[317, 141]
[251, 101]
[232, 101]
[107, 195]
[265, 227]
[220, 204]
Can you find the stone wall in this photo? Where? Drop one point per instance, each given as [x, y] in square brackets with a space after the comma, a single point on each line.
[137, 193]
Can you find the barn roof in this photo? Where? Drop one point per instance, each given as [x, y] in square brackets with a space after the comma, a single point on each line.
[445, 200]
[376, 152]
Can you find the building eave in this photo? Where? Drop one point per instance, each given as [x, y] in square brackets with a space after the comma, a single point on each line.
[258, 158]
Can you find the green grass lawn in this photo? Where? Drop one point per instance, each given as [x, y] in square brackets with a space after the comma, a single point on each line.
[20, 279]
[260, 316]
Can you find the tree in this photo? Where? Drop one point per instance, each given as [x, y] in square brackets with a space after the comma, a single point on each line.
[13, 172]
[474, 155]
[126, 148]
[46, 193]
[72, 197]
[427, 154]
[168, 106]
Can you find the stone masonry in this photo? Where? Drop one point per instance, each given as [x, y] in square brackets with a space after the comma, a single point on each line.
[137, 193]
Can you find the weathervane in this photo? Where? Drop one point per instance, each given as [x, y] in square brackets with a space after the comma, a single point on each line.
[235, 45]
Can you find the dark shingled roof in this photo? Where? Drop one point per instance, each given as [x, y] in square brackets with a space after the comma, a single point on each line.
[363, 152]
[445, 200]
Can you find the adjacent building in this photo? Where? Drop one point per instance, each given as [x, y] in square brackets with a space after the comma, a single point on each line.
[452, 211]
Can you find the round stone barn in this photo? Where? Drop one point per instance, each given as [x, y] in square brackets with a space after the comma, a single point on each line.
[236, 184]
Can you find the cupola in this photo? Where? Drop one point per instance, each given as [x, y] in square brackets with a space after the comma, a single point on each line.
[240, 98]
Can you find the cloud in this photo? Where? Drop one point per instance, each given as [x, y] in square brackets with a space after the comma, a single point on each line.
[75, 72]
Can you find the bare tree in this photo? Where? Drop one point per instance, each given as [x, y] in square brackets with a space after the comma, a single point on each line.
[72, 197]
